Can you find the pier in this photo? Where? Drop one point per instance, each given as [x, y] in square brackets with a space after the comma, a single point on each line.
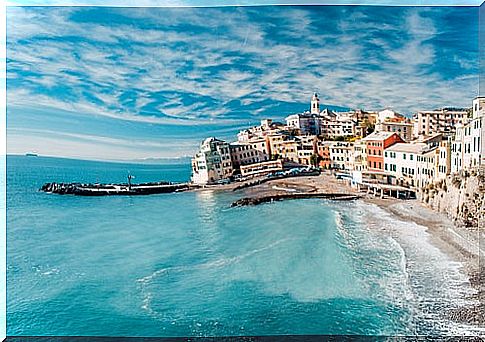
[280, 197]
[80, 189]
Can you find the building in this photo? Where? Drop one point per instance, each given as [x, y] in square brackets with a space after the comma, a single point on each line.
[401, 162]
[306, 148]
[323, 151]
[376, 143]
[457, 149]
[360, 156]
[467, 145]
[267, 127]
[288, 150]
[404, 128]
[388, 114]
[341, 155]
[212, 163]
[315, 104]
[325, 123]
[274, 143]
[248, 153]
[444, 158]
[438, 121]
[477, 133]
[426, 166]
[262, 168]
[306, 123]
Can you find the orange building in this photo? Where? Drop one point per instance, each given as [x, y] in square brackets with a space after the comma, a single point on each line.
[375, 145]
[323, 150]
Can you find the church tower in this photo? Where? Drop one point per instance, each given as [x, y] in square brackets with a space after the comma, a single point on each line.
[315, 104]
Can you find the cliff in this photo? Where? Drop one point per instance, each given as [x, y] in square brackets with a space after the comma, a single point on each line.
[460, 196]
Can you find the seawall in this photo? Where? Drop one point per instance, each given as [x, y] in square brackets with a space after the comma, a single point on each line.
[461, 196]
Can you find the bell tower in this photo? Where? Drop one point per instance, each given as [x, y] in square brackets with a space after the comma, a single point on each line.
[315, 104]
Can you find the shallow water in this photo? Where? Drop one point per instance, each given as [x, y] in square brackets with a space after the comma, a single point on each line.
[188, 264]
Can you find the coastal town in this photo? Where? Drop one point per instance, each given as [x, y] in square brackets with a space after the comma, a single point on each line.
[383, 151]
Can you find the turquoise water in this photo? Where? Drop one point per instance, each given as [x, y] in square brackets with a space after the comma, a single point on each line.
[186, 264]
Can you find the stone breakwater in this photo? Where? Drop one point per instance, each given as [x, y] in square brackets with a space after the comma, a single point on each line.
[80, 189]
[280, 197]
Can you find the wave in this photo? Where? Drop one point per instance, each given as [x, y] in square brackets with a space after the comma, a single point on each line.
[431, 283]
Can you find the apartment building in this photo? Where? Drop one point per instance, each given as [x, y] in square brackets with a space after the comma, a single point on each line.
[401, 162]
[212, 163]
[323, 150]
[404, 128]
[248, 153]
[376, 143]
[438, 121]
[341, 155]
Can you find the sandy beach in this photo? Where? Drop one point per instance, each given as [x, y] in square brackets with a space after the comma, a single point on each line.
[460, 243]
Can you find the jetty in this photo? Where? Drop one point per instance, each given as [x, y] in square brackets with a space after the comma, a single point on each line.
[280, 197]
[81, 189]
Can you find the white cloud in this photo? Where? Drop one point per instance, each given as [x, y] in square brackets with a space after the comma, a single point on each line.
[353, 66]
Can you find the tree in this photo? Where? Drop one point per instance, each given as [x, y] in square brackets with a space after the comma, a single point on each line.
[315, 159]
[275, 156]
[369, 127]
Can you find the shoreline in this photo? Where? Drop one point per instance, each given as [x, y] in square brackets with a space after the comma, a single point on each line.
[459, 243]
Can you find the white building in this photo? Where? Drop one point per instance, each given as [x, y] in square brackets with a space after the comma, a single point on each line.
[468, 146]
[438, 121]
[315, 104]
[457, 149]
[341, 155]
[417, 164]
[427, 167]
[360, 156]
[325, 123]
[212, 163]
[401, 162]
[403, 129]
[444, 159]
[386, 114]
[477, 133]
[267, 127]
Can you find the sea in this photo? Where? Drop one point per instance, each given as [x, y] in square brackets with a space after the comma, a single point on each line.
[187, 264]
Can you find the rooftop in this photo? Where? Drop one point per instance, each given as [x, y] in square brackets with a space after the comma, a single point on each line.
[378, 136]
[405, 147]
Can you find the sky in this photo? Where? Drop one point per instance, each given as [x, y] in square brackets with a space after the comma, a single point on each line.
[131, 83]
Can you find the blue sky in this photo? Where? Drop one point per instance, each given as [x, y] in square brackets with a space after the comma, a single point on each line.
[127, 83]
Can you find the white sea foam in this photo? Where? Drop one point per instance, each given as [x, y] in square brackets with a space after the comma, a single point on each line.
[430, 280]
[407, 271]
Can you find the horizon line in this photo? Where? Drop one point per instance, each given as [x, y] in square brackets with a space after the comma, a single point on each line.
[116, 161]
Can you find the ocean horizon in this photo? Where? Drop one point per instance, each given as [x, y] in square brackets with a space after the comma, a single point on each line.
[186, 264]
